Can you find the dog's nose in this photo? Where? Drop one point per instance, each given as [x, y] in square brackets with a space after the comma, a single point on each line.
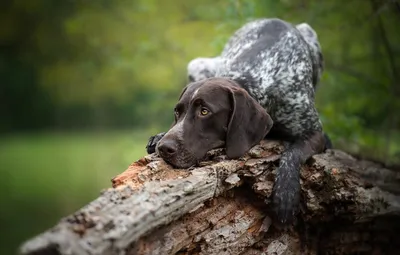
[167, 148]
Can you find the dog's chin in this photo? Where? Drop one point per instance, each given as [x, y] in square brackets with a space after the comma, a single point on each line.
[186, 159]
[181, 161]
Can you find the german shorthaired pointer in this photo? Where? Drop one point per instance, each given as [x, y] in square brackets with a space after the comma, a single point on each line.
[262, 85]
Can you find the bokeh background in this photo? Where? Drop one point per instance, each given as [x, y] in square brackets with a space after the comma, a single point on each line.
[83, 84]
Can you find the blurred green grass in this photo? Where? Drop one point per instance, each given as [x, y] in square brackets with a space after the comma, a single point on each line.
[49, 175]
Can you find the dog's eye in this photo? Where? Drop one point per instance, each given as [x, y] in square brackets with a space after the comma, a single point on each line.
[204, 111]
[176, 112]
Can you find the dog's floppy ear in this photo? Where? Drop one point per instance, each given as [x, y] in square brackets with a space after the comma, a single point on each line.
[248, 125]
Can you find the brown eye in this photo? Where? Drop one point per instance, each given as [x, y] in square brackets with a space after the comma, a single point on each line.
[176, 112]
[204, 111]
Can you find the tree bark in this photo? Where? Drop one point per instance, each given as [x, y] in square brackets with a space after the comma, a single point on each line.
[349, 206]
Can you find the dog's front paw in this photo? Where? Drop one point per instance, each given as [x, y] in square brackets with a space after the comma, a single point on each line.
[285, 201]
[152, 143]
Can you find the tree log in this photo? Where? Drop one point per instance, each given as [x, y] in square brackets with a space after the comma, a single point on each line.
[349, 206]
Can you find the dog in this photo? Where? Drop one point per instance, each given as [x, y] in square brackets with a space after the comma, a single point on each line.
[261, 86]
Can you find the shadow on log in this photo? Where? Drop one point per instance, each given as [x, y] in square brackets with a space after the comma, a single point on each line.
[349, 206]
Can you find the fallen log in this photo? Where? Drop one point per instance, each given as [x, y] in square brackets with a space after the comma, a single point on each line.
[349, 206]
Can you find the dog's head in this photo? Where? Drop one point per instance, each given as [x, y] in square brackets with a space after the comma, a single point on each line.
[210, 114]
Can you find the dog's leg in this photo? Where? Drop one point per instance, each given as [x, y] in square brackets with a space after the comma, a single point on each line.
[286, 191]
[152, 143]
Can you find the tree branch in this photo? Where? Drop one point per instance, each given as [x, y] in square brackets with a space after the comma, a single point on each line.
[221, 207]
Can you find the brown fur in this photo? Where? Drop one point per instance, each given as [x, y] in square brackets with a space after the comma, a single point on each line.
[236, 121]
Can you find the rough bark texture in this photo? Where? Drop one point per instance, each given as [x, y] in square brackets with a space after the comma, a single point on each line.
[349, 206]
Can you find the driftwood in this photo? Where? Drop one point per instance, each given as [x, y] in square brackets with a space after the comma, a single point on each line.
[349, 206]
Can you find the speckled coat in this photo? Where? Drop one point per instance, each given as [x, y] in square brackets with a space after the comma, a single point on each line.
[278, 64]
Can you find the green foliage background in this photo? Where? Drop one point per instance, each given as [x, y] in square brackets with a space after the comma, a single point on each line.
[84, 83]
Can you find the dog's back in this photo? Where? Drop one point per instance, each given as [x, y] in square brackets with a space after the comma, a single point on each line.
[271, 60]
[253, 33]
[205, 67]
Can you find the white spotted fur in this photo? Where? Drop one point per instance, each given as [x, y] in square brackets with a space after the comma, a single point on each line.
[278, 64]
